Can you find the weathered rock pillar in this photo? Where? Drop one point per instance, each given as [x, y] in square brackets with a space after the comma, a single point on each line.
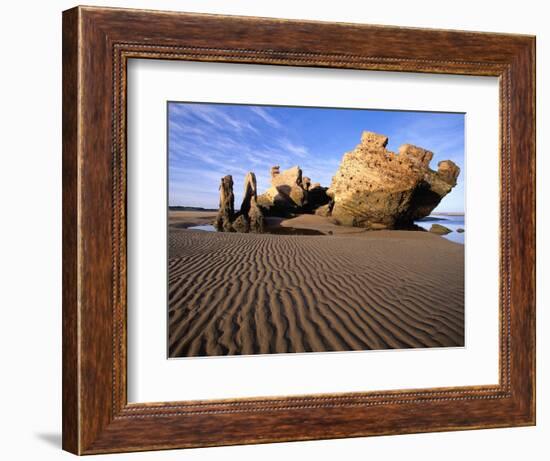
[226, 213]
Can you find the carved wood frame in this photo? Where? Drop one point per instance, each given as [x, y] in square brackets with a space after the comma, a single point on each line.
[97, 43]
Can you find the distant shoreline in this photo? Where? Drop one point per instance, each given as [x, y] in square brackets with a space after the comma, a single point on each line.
[189, 208]
[447, 213]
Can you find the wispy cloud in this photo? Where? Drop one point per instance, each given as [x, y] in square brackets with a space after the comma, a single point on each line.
[265, 116]
[293, 149]
[209, 141]
[213, 116]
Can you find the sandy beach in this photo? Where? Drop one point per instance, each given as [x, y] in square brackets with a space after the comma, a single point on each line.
[350, 289]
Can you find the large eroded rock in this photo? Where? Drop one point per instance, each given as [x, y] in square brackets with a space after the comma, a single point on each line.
[375, 188]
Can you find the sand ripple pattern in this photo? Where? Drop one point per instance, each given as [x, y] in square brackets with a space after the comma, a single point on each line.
[235, 294]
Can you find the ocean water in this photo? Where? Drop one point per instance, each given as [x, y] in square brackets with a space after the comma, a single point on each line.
[450, 221]
[203, 227]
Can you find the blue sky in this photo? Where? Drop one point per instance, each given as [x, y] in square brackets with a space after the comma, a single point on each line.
[208, 141]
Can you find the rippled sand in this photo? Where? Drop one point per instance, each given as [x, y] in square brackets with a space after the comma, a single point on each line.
[232, 294]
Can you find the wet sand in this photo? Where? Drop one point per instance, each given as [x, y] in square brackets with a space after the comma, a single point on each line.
[185, 219]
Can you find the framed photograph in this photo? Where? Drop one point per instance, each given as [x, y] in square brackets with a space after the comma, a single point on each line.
[281, 230]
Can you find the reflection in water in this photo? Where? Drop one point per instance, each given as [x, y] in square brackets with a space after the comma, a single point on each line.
[204, 227]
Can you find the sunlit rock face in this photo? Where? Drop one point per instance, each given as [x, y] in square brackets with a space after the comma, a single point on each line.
[290, 192]
[376, 189]
[287, 192]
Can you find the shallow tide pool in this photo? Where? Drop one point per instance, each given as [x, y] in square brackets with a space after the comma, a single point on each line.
[452, 222]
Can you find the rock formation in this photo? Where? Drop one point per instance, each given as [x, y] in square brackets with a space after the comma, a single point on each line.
[290, 192]
[376, 189]
[226, 212]
[286, 191]
[373, 188]
[249, 218]
[250, 192]
[250, 210]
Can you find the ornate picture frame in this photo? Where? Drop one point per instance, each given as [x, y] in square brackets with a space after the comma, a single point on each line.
[97, 44]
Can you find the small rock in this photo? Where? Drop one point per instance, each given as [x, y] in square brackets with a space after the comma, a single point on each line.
[460, 230]
[439, 229]
[377, 226]
[323, 210]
